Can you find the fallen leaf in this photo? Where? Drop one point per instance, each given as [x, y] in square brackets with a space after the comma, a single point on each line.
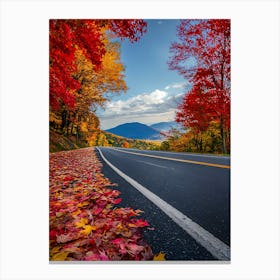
[159, 257]
[126, 233]
[81, 223]
[117, 201]
[85, 223]
[88, 229]
[140, 223]
[82, 204]
[59, 214]
[134, 248]
[132, 225]
[63, 238]
[103, 256]
[97, 211]
[60, 256]
[90, 256]
[117, 241]
[55, 250]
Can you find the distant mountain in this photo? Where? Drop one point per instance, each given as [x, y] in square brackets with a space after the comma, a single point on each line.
[166, 126]
[136, 130]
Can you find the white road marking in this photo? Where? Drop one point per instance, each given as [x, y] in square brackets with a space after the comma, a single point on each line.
[152, 164]
[211, 243]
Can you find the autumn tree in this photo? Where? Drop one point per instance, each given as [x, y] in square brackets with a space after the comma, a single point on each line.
[85, 66]
[96, 85]
[102, 140]
[65, 37]
[125, 144]
[165, 146]
[68, 35]
[202, 56]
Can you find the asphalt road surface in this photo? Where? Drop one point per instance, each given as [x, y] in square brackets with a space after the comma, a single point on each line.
[185, 197]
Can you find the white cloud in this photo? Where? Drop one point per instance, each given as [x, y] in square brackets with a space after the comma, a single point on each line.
[176, 86]
[147, 108]
[148, 103]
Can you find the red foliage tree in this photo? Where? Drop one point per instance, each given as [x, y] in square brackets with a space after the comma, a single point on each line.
[191, 113]
[202, 56]
[66, 36]
[62, 64]
[131, 29]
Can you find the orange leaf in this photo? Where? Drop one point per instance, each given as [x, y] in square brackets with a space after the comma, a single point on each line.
[159, 257]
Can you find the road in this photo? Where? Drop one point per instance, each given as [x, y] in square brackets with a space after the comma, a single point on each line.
[191, 187]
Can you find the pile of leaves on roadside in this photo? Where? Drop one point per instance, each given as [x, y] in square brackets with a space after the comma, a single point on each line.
[85, 223]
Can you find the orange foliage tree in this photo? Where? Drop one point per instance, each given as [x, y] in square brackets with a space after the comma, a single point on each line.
[85, 67]
[125, 144]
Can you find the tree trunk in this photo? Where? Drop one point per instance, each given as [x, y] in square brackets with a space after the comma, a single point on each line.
[67, 123]
[72, 128]
[64, 120]
[200, 145]
[77, 134]
[224, 147]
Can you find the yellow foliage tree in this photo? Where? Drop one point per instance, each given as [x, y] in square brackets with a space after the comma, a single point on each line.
[208, 141]
[102, 140]
[96, 85]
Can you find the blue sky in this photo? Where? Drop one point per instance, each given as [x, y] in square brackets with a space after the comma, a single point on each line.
[154, 90]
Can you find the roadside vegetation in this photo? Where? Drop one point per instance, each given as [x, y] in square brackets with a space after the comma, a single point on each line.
[60, 142]
[192, 141]
[85, 220]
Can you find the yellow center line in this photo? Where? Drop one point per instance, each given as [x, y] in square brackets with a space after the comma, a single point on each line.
[177, 159]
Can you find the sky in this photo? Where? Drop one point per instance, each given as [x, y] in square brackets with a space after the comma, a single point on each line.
[154, 91]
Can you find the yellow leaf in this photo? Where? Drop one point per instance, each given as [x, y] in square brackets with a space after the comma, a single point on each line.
[81, 223]
[76, 213]
[119, 226]
[159, 257]
[58, 194]
[132, 225]
[60, 256]
[82, 204]
[87, 229]
[55, 250]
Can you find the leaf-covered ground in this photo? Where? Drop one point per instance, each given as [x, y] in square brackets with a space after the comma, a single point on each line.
[85, 222]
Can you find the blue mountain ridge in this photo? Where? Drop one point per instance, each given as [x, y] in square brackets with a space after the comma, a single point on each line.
[136, 130]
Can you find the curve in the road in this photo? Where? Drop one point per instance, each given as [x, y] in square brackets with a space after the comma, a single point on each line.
[215, 246]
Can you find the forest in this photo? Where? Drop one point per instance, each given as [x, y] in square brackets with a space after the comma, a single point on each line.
[86, 71]
[85, 68]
